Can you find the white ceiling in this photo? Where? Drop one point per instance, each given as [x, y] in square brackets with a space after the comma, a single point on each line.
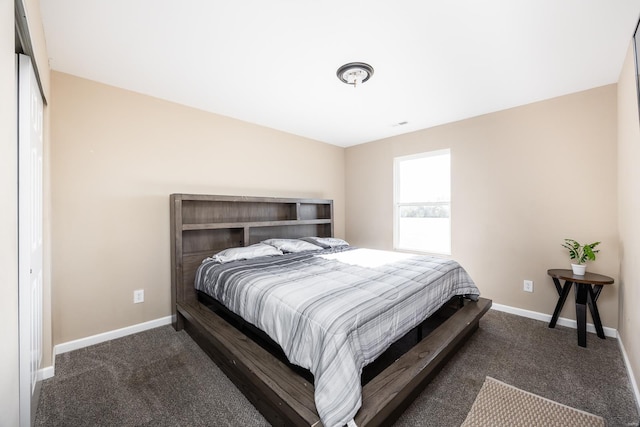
[274, 62]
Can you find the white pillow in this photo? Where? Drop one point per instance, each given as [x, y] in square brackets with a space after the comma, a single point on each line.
[327, 242]
[247, 252]
[292, 245]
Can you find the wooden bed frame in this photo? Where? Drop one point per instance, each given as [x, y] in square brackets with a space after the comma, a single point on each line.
[202, 225]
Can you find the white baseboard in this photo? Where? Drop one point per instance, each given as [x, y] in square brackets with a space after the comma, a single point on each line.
[111, 335]
[562, 321]
[49, 371]
[46, 373]
[632, 378]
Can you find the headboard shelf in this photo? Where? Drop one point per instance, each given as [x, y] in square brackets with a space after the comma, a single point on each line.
[199, 209]
[218, 225]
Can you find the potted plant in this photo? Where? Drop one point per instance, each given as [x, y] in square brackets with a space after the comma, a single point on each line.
[581, 254]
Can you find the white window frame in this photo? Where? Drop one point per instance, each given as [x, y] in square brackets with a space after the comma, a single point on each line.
[397, 205]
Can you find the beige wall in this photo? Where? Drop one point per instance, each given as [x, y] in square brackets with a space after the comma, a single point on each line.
[523, 179]
[629, 212]
[117, 156]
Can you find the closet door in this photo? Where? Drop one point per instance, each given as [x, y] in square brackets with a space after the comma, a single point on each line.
[30, 114]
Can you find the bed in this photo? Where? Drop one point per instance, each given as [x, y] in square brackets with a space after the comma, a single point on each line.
[203, 225]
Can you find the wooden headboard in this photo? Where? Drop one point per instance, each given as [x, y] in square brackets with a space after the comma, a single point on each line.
[202, 225]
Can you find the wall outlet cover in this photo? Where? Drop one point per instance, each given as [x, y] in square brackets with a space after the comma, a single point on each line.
[138, 296]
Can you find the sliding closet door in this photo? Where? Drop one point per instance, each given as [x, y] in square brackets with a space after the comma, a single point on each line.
[30, 114]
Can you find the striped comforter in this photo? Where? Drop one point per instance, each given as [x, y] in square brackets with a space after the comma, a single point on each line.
[334, 311]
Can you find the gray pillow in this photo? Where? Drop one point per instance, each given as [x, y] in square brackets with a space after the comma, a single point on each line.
[292, 245]
[247, 252]
[326, 242]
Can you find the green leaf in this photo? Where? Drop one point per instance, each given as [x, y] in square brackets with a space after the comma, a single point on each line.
[579, 252]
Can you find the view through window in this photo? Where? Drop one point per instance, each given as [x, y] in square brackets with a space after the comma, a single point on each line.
[423, 202]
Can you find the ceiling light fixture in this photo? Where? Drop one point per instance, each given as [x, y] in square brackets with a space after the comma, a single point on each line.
[355, 73]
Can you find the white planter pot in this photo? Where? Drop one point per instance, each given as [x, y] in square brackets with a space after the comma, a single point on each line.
[579, 269]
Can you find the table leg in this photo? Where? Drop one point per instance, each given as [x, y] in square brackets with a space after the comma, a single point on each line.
[596, 292]
[563, 291]
[558, 287]
[592, 296]
[581, 312]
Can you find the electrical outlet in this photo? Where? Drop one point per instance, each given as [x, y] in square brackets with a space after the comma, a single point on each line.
[528, 286]
[138, 296]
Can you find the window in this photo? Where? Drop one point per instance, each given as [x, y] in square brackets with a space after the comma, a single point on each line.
[422, 202]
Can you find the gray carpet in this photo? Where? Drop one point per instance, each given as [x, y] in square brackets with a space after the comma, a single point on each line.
[162, 378]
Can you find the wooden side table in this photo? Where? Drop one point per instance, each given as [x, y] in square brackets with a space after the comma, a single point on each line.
[587, 290]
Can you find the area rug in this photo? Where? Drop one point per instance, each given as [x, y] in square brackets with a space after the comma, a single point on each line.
[499, 404]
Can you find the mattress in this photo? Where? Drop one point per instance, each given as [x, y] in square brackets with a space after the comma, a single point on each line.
[336, 310]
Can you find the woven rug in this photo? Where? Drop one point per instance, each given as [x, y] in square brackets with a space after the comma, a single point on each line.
[499, 404]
